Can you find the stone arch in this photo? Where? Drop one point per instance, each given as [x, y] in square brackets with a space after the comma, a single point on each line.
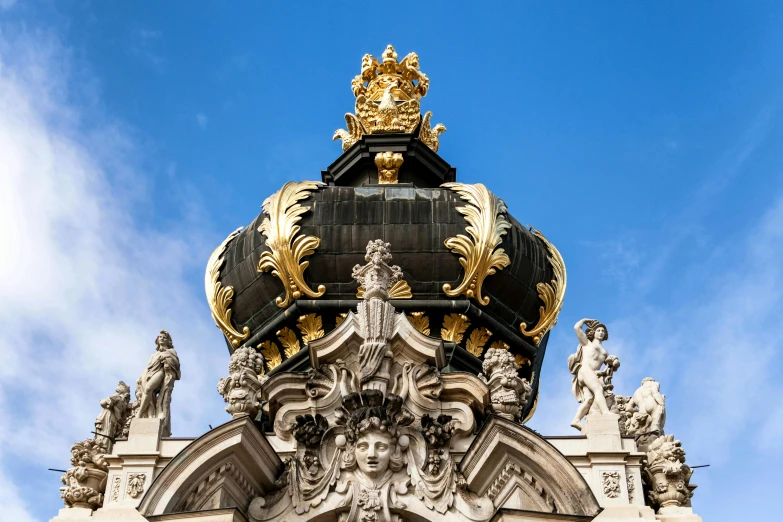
[517, 468]
[226, 467]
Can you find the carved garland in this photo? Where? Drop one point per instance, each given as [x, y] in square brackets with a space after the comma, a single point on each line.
[287, 248]
[552, 294]
[479, 256]
[219, 297]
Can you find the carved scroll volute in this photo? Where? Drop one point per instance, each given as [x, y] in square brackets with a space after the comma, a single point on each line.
[219, 297]
[479, 254]
[287, 248]
[552, 294]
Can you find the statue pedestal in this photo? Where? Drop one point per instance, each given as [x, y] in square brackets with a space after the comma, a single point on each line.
[603, 432]
[677, 514]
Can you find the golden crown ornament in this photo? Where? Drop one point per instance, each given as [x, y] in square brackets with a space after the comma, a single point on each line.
[387, 100]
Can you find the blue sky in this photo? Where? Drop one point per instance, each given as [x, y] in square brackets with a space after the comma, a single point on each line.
[642, 138]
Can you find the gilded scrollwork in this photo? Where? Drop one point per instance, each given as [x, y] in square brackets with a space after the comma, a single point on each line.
[479, 254]
[287, 247]
[219, 297]
[552, 294]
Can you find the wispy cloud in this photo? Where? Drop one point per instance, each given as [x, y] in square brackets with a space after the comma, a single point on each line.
[144, 45]
[85, 286]
[202, 120]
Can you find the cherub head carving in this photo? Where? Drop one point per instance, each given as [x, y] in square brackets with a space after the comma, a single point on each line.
[372, 440]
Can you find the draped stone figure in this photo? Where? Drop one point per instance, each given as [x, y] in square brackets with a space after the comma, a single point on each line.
[116, 408]
[157, 382]
[589, 379]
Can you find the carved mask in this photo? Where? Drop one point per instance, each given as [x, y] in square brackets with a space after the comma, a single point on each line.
[373, 452]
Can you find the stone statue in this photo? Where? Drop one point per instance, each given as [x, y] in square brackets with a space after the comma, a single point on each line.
[116, 408]
[507, 391]
[376, 313]
[242, 388]
[666, 475]
[157, 381]
[651, 403]
[590, 381]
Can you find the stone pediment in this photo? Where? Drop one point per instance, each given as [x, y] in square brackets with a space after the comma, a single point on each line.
[225, 468]
[516, 468]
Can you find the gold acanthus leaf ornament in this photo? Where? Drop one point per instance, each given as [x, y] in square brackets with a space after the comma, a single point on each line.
[271, 354]
[487, 225]
[420, 321]
[454, 326]
[219, 297]
[311, 326]
[552, 294]
[399, 290]
[286, 247]
[290, 342]
[476, 341]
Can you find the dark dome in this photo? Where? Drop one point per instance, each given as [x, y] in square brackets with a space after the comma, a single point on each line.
[416, 216]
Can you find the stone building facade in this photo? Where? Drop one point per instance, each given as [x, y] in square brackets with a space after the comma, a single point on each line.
[386, 327]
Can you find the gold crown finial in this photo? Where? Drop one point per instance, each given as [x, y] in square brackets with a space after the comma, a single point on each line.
[387, 100]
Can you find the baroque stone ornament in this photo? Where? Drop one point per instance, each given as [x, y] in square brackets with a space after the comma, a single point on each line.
[386, 422]
[135, 484]
[592, 368]
[387, 100]
[116, 410]
[156, 382]
[242, 388]
[375, 312]
[85, 481]
[507, 391]
[219, 297]
[666, 475]
[287, 247]
[479, 254]
[647, 409]
[610, 482]
[552, 294]
[399, 290]
[388, 164]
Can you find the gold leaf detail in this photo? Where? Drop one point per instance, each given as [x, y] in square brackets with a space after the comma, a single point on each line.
[288, 339]
[339, 319]
[521, 360]
[479, 256]
[388, 164]
[454, 326]
[420, 321]
[219, 297]
[499, 345]
[311, 327]
[271, 354]
[288, 249]
[429, 136]
[399, 290]
[478, 338]
[552, 294]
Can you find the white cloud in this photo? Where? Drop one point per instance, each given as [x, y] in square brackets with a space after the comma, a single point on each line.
[85, 287]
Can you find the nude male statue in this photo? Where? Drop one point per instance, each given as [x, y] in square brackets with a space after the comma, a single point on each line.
[585, 365]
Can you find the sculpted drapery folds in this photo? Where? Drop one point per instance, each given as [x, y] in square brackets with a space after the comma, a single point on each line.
[591, 380]
[157, 382]
[116, 409]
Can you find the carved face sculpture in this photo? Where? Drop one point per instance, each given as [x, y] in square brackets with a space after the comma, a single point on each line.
[373, 452]
[163, 341]
[600, 333]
